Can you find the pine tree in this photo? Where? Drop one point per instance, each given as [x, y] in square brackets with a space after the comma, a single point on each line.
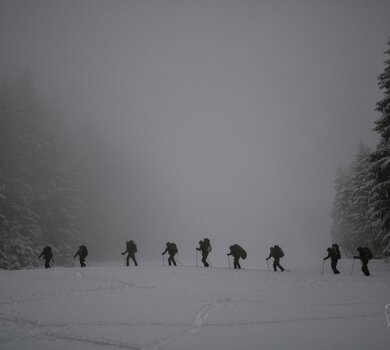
[54, 185]
[352, 223]
[35, 193]
[363, 229]
[19, 228]
[380, 163]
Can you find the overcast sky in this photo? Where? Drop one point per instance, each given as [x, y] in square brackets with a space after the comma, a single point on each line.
[230, 116]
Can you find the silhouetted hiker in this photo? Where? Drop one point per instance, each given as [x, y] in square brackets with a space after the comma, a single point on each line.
[365, 256]
[205, 248]
[334, 255]
[237, 252]
[47, 254]
[82, 253]
[171, 249]
[277, 253]
[131, 249]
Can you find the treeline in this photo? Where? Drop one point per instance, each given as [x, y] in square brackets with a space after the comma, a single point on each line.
[43, 200]
[361, 210]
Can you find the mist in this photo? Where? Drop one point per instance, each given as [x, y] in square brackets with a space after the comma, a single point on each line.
[218, 119]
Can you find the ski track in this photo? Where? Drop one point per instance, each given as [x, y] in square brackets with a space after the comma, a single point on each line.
[70, 331]
[72, 291]
[36, 329]
[200, 318]
[101, 342]
[45, 330]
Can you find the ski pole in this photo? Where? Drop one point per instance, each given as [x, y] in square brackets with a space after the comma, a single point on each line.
[124, 261]
[163, 259]
[228, 261]
[196, 253]
[209, 263]
[267, 265]
[177, 260]
[353, 263]
[323, 263]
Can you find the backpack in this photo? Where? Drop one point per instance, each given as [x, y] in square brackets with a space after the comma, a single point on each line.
[83, 250]
[207, 245]
[336, 251]
[278, 252]
[243, 253]
[239, 250]
[173, 248]
[131, 246]
[367, 253]
[47, 251]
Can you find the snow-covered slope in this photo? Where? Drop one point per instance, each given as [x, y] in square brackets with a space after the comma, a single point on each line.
[188, 308]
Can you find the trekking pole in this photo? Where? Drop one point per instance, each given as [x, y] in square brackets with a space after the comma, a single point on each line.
[209, 263]
[353, 263]
[323, 263]
[229, 261]
[196, 253]
[124, 261]
[163, 260]
[267, 265]
[177, 260]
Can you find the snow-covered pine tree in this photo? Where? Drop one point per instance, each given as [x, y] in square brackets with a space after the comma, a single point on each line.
[19, 229]
[352, 225]
[363, 229]
[380, 163]
[35, 206]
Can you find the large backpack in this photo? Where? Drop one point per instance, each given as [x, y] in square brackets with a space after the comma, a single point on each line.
[336, 251]
[367, 253]
[243, 253]
[172, 248]
[47, 252]
[278, 252]
[207, 245]
[131, 246]
[240, 251]
[84, 250]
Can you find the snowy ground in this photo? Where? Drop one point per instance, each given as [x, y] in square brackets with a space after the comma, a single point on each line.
[188, 308]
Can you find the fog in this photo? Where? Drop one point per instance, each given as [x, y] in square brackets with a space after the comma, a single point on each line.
[228, 119]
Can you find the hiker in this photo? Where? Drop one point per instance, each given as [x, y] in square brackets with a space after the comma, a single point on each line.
[82, 253]
[334, 255]
[205, 248]
[237, 252]
[277, 253]
[47, 254]
[171, 249]
[365, 256]
[131, 249]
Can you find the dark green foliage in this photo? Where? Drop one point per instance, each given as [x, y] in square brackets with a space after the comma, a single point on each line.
[353, 224]
[56, 185]
[361, 211]
[380, 164]
[35, 195]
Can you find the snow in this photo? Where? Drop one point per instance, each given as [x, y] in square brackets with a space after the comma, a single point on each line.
[154, 307]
